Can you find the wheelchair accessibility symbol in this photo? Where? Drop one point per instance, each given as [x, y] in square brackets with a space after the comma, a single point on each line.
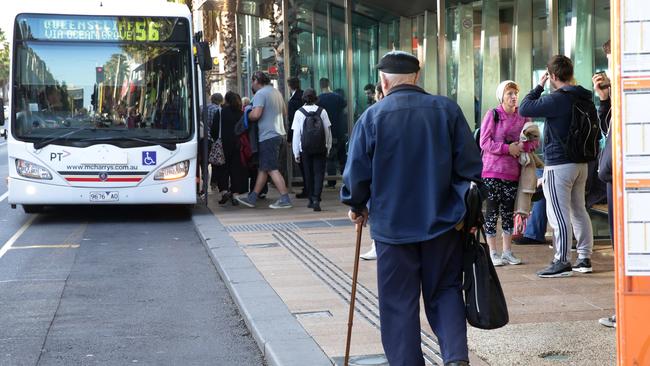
[148, 158]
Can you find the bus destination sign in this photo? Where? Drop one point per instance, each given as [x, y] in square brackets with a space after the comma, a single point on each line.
[56, 28]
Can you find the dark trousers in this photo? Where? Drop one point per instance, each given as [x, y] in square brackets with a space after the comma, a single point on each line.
[314, 174]
[232, 176]
[610, 211]
[434, 268]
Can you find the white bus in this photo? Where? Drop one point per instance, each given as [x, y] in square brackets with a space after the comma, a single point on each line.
[102, 104]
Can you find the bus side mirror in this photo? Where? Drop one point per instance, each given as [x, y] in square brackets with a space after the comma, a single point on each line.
[203, 57]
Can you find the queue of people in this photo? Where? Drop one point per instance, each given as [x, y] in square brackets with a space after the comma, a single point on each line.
[415, 221]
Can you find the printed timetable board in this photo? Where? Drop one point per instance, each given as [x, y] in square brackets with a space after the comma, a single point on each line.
[635, 134]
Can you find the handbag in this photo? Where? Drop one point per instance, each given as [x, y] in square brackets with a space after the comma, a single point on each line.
[520, 222]
[485, 303]
[217, 156]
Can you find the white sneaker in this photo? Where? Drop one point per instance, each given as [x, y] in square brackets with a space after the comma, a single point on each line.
[496, 260]
[370, 255]
[510, 258]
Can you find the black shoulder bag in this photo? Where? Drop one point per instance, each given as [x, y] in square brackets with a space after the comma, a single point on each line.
[485, 304]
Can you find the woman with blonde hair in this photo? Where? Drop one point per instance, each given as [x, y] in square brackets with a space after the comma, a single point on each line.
[501, 148]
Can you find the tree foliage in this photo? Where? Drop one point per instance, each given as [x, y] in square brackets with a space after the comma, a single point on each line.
[4, 58]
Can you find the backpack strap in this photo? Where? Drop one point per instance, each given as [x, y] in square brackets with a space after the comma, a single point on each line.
[495, 115]
[303, 111]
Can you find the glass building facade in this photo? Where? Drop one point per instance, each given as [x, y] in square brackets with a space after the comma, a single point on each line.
[466, 48]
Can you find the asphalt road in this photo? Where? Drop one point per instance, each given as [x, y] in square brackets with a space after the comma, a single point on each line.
[112, 286]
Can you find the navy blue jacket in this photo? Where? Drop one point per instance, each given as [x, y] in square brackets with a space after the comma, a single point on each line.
[557, 108]
[413, 156]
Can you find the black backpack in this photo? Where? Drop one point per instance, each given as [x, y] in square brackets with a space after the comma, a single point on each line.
[582, 144]
[477, 132]
[313, 132]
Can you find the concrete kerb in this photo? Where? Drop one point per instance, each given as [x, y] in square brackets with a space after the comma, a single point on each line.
[279, 335]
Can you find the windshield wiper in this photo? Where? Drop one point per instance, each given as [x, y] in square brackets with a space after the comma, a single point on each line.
[41, 144]
[166, 145]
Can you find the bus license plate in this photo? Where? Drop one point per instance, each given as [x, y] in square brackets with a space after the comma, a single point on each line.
[104, 196]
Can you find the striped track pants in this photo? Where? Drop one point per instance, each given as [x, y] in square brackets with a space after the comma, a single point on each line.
[564, 189]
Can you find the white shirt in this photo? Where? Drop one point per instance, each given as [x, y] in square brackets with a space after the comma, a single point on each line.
[298, 121]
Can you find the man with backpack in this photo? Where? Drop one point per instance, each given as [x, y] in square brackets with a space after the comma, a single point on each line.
[312, 140]
[571, 136]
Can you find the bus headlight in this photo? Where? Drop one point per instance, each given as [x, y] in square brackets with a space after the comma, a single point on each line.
[30, 170]
[176, 171]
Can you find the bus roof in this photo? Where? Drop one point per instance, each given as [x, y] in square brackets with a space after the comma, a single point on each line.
[144, 8]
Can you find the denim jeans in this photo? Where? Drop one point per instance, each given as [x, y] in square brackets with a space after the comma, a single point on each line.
[537, 221]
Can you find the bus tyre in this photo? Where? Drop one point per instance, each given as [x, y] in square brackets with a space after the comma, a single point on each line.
[32, 209]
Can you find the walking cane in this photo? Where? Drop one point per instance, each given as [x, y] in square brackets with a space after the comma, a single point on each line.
[354, 293]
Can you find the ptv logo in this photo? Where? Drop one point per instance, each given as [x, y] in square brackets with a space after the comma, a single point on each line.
[59, 155]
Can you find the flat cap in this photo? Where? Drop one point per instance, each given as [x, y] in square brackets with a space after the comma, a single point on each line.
[399, 62]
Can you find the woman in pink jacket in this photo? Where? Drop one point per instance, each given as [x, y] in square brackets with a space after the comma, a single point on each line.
[500, 148]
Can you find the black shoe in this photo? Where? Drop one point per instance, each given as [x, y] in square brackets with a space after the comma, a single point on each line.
[316, 207]
[457, 363]
[525, 240]
[302, 195]
[583, 266]
[261, 196]
[234, 201]
[311, 204]
[225, 198]
[556, 269]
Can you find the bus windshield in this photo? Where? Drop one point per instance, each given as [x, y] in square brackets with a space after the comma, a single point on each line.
[82, 80]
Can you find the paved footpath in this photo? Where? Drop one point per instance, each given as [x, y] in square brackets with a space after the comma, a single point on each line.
[290, 273]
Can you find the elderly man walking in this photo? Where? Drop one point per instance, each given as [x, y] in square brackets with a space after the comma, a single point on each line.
[413, 157]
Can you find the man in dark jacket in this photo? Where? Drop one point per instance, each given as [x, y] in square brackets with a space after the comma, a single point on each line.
[295, 102]
[563, 181]
[334, 104]
[419, 250]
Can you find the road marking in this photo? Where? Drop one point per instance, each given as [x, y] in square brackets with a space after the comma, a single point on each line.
[57, 246]
[15, 237]
[5, 195]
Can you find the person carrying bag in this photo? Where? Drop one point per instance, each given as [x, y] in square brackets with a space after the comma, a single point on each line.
[217, 156]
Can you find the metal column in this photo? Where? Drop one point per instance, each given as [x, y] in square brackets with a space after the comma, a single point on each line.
[286, 56]
[348, 62]
[442, 52]
[552, 25]
[523, 44]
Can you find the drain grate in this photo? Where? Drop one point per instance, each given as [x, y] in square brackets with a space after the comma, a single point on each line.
[261, 246]
[313, 314]
[554, 356]
[293, 225]
[365, 360]
[251, 228]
